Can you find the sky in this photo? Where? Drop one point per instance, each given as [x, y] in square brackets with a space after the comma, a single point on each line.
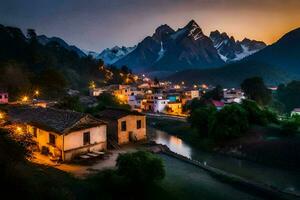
[98, 24]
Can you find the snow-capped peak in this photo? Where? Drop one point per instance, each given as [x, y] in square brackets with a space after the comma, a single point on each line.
[230, 50]
[112, 55]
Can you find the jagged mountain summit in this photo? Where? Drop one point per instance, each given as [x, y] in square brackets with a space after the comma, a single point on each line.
[44, 40]
[169, 50]
[231, 50]
[112, 55]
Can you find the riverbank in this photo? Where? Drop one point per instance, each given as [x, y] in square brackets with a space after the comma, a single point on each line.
[263, 145]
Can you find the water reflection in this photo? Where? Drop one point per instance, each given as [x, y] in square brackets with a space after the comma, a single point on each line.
[175, 144]
[284, 179]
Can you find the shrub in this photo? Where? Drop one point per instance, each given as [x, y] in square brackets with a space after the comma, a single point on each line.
[140, 168]
[200, 118]
[230, 122]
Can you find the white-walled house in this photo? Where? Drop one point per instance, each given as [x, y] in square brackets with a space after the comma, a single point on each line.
[160, 105]
[296, 111]
[61, 134]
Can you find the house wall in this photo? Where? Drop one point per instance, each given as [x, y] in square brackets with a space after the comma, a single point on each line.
[72, 143]
[42, 140]
[175, 108]
[131, 128]
[75, 139]
[160, 105]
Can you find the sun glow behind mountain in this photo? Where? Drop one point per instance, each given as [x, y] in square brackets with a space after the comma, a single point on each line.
[99, 24]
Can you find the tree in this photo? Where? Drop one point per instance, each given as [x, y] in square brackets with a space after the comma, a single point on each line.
[140, 168]
[107, 100]
[256, 90]
[229, 123]
[15, 78]
[215, 94]
[254, 112]
[12, 153]
[71, 103]
[200, 117]
[156, 81]
[289, 95]
[52, 83]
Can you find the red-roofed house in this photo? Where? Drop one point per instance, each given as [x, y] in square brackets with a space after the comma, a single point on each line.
[218, 104]
[3, 97]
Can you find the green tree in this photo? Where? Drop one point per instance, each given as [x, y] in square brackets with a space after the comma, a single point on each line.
[12, 153]
[106, 100]
[289, 95]
[255, 89]
[200, 117]
[254, 113]
[71, 103]
[230, 122]
[215, 94]
[51, 82]
[140, 168]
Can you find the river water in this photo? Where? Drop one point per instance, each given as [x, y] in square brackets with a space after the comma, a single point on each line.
[285, 180]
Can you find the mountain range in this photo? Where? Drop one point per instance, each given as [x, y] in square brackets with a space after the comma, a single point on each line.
[44, 40]
[187, 53]
[276, 63]
[187, 48]
[168, 50]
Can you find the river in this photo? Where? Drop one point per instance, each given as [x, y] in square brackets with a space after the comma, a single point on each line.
[285, 180]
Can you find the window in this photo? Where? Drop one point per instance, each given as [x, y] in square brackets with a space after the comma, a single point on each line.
[123, 126]
[35, 132]
[86, 138]
[51, 139]
[139, 124]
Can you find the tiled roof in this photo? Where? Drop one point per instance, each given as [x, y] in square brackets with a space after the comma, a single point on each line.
[114, 113]
[58, 121]
[217, 103]
[296, 110]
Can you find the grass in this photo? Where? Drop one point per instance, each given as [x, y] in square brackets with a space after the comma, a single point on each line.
[187, 181]
[42, 182]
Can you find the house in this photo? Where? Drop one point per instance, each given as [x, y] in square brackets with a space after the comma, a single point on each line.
[217, 104]
[191, 94]
[296, 111]
[95, 92]
[174, 108]
[60, 133]
[124, 126]
[233, 95]
[173, 97]
[3, 97]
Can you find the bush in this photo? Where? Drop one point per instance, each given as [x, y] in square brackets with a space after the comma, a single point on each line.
[230, 122]
[255, 114]
[200, 118]
[289, 127]
[140, 168]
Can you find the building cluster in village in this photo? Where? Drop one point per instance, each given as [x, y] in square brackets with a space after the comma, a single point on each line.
[66, 135]
[164, 97]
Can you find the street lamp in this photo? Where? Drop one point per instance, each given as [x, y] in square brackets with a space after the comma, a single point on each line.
[24, 98]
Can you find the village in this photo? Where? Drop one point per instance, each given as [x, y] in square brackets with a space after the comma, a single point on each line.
[65, 135]
[83, 143]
